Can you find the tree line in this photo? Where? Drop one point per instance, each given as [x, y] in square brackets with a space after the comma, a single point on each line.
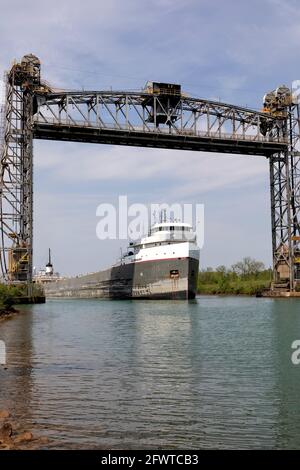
[247, 276]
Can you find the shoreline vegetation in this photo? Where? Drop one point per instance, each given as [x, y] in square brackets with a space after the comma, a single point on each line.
[8, 294]
[246, 277]
[12, 294]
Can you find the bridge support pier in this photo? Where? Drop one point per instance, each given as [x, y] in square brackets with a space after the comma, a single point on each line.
[285, 209]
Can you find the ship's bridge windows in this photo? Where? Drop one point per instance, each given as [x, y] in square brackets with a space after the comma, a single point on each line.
[171, 228]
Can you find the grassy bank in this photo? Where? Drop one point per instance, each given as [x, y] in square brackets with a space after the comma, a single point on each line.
[8, 295]
[15, 294]
[248, 277]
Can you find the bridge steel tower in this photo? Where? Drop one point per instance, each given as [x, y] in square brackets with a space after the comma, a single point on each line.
[160, 116]
[285, 205]
[16, 171]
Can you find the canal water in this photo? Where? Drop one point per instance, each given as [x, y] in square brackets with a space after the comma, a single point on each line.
[210, 373]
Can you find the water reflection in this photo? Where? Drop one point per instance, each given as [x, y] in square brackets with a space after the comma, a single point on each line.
[287, 323]
[213, 373]
[16, 381]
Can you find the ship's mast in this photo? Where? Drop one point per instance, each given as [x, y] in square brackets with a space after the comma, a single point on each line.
[49, 265]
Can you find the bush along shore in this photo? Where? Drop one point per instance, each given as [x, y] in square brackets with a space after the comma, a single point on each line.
[11, 294]
[247, 277]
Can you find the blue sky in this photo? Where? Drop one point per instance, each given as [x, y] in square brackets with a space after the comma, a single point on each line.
[233, 50]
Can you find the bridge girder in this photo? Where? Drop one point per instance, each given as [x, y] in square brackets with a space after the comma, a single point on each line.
[126, 118]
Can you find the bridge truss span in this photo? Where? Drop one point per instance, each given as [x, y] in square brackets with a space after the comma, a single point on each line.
[131, 118]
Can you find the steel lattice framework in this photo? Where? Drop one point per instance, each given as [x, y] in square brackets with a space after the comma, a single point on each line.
[150, 118]
[135, 119]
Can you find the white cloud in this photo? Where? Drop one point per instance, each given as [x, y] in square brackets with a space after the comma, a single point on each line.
[193, 172]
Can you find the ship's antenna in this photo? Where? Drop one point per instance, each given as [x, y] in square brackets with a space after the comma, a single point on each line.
[163, 215]
[154, 217]
[49, 264]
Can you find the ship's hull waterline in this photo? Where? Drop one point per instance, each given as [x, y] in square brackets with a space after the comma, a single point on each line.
[157, 279]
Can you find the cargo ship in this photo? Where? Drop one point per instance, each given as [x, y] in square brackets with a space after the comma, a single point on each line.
[162, 265]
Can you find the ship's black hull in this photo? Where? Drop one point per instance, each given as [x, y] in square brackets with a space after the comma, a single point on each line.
[160, 279]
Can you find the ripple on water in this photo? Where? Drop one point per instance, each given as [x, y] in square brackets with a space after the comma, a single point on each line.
[215, 373]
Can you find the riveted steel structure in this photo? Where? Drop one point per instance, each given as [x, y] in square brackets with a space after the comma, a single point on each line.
[159, 116]
[16, 171]
[129, 119]
[285, 192]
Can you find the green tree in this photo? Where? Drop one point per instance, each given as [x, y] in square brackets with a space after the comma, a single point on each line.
[248, 267]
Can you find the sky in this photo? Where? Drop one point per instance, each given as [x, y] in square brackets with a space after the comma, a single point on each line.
[234, 51]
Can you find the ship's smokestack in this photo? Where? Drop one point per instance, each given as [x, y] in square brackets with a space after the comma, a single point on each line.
[49, 265]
